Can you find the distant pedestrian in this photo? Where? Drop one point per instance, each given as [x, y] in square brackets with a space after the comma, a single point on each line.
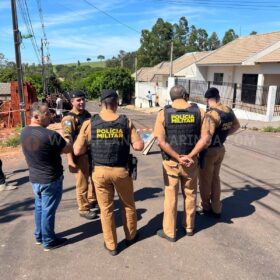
[59, 106]
[150, 98]
[3, 185]
[42, 148]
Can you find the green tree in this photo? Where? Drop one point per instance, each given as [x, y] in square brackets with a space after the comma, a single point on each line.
[254, 33]
[229, 36]
[155, 44]
[213, 42]
[118, 78]
[3, 61]
[36, 81]
[128, 60]
[192, 43]
[53, 84]
[202, 39]
[101, 57]
[113, 62]
[180, 37]
[7, 75]
[198, 40]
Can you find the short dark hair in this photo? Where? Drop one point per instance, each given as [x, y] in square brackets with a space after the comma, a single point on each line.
[38, 107]
[178, 92]
[212, 93]
[110, 102]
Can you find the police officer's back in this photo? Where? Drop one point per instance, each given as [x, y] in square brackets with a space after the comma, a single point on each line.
[182, 132]
[225, 123]
[110, 136]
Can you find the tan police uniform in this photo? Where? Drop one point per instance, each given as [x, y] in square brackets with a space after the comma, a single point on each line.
[107, 179]
[209, 179]
[174, 174]
[85, 191]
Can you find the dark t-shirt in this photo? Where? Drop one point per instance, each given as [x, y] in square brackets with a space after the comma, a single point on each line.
[42, 148]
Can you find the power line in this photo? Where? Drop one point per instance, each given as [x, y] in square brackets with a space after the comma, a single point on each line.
[26, 18]
[110, 16]
[46, 43]
[228, 4]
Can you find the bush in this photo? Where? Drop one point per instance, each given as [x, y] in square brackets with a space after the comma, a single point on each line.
[12, 141]
[271, 129]
[14, 138]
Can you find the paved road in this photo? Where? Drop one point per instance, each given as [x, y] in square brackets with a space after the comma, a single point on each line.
[244, 244]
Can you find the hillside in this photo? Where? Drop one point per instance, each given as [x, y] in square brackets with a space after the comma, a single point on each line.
[92, 64]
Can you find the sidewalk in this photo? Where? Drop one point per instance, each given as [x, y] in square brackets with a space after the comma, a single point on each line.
[256, 125]
[143, 110]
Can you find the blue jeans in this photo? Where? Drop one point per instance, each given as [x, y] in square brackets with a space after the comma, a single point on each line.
[47, 198]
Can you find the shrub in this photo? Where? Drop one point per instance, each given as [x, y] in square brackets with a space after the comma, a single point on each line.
[12, 141]
[271, 129]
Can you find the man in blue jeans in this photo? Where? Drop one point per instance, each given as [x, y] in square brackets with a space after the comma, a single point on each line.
[42, 148]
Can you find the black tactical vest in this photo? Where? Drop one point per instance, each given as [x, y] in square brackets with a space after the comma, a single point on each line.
[110, 141]
[221, 132]
[79, 120]
[182, 128]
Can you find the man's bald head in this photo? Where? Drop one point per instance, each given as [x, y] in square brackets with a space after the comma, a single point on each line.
[178, 92]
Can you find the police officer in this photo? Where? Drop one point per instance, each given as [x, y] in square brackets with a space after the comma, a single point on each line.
[225, 123]
[182, 131]
[110, 136]
[71, 125]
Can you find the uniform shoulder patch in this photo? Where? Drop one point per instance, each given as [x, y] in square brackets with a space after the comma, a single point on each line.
[67, 123]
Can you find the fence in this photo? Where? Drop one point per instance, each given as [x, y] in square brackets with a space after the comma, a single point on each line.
[246, 97]
[277, 103]
[10, 111]
[141, 91]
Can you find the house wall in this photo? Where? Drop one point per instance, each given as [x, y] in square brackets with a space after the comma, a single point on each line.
[268, 74]
[193, 72]
[272, 79]
[141, 91]
[233, 74]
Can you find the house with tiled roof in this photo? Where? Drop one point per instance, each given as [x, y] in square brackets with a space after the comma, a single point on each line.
[155, 79]
[251, 62]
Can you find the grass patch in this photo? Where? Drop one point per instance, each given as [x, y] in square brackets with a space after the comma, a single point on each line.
[14, 138]
[271, 129]
[93, 64]
[11, 141]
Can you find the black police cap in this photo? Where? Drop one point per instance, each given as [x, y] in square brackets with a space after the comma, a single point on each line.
[212, 93]
[106, 93]
[76, 94]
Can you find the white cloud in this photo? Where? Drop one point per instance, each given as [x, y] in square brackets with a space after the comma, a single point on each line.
[64, 19]
[107, 44]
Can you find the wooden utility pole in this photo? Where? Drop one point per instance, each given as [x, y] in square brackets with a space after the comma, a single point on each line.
[17, 42]
[43, 68]
[171, 61]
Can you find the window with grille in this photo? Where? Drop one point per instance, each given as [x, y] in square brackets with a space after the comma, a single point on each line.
[218, 78]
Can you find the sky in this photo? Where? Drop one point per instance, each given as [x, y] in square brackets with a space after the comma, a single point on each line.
[81, 29]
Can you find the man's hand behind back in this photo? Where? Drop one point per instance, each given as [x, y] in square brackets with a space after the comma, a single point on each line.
[186, 160]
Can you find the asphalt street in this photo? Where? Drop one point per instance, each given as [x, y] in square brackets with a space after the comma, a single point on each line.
[243, 244]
